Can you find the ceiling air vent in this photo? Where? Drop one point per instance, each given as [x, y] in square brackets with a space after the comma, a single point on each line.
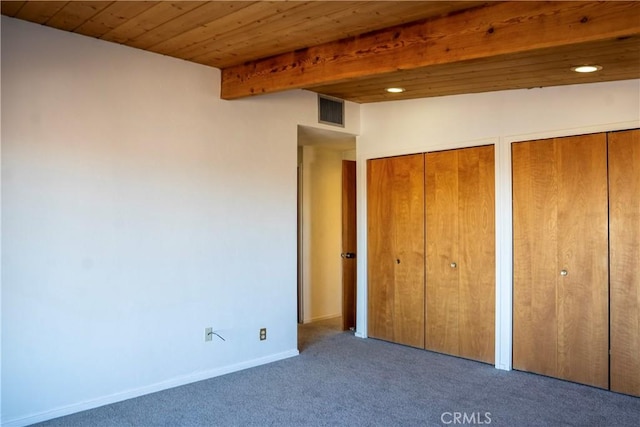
[330, 111]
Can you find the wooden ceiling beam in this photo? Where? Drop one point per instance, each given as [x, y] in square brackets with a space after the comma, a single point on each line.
[484, 32]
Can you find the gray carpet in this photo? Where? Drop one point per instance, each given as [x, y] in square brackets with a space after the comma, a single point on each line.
[340, 380]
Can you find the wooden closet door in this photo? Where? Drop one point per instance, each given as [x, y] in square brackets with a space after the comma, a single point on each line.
[460, 256]
[535, 265]
[476, 257]
[583, 294]
[442, 317]
[395, 216]
[560, 258]
[624, 244]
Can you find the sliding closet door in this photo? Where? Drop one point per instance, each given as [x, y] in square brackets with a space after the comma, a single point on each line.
[624, 223]
[395, 217]
[460, 255]
[560, 258]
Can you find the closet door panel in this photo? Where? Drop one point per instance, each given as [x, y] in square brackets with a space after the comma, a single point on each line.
[395, 216]
[583, 294]
[380, 248]
[442, 250]
[624, 232]
[476, 259]
[460, 259]
[535, 269]
[408, 204]
[560, 258]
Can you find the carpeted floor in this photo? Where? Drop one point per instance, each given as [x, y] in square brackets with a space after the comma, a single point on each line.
[315, 332]
[341, 380]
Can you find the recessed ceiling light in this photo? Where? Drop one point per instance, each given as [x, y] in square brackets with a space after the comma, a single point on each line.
[395, 89]
[586, 68]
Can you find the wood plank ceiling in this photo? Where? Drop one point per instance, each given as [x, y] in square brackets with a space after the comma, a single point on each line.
[355, 49]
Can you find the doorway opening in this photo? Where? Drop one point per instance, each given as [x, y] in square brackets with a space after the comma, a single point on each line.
[326, 253]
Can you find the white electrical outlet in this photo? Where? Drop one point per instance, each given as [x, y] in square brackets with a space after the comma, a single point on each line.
[208, 334]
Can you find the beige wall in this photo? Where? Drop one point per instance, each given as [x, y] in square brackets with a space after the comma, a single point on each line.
[322, 207]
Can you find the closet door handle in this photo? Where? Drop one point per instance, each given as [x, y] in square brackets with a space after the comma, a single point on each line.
[453, 265]
[563, 272]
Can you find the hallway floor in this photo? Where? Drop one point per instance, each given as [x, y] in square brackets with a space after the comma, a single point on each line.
[314, 332]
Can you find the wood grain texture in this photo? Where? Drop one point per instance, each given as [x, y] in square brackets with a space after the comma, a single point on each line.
[38, 12]
[186, 19]
[227, 33]
[264, 25]
[560, 200]
[111, 17]
[431, 48]
[161, 21]
[328, 21]
[522, 70]
[496, 29]
[460, 196]
[230, 20]
[349, 244]
[314, 23]
[583, 295]
[535, 271]
[476, 225]
[624, 253]
[443, 307]
[380, 250]
[395, 215]
[74, 14]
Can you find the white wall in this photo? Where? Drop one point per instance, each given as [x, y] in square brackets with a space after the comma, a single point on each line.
[322, 232]
[137, 209]
[499, 118]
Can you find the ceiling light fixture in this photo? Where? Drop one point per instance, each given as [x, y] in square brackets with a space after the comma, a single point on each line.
[586, 68]
[395, 89]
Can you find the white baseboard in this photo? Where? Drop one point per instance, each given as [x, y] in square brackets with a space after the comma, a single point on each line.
[141, 391]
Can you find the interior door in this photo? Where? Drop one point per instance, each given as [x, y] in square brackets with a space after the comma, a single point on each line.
[395, 235]
[349, 244]
[561, 318]
[460, 262]
[624, 253]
